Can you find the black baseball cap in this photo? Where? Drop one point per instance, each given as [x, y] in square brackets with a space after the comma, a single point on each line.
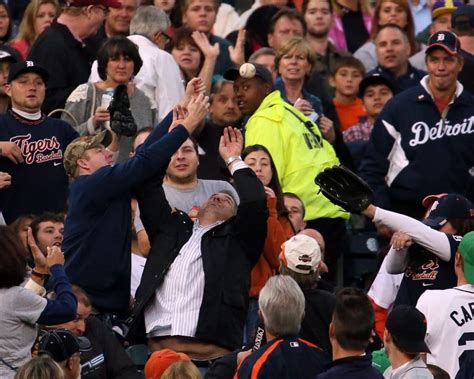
[260, 71]
[8, 54]
[61, 344]
[27, 66]
[463, 17]
[372, 80]
[447, 41]
[407, 325]
[451, 206]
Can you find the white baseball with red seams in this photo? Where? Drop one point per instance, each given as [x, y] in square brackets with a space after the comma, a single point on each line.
[247, 71]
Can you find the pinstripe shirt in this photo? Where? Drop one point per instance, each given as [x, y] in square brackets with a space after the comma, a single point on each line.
[175, 311]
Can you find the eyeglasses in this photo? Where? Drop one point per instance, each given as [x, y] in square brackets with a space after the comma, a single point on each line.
[103, 8]
[166, 38]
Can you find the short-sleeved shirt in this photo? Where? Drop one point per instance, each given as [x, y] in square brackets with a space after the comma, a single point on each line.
[432, 273]
[20, 308]
[450, 324]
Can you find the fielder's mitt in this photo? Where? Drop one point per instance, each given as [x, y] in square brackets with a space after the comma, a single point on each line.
[344, 188]
[121, 119]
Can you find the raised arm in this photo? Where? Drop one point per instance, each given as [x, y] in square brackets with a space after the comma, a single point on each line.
[252, 212]
[431, 239]
[64, 307]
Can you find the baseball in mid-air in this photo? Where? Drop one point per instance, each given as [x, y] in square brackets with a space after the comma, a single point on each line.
[247, 71]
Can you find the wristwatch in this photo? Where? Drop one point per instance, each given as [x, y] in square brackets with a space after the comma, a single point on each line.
[231, 160]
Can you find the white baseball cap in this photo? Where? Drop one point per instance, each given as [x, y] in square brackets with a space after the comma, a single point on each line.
[301, 254]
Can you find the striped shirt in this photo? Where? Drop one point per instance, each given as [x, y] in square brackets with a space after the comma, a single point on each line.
[175, 311]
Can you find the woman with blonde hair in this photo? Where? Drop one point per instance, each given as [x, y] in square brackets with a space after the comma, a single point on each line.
[352, 24]
[182, 370]
[39, 14]
[42, 367]
[388, 12]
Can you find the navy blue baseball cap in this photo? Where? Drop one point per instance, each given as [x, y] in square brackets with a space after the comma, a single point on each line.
[451, 206]
[19, 68]
[372, 80]
[448, 41]
[260, 72]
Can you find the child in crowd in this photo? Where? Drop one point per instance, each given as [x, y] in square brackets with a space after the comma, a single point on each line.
[375, 91]
[346, 75]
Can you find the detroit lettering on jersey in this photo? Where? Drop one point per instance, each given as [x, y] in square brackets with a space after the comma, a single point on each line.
[33, 151]
[423, 132]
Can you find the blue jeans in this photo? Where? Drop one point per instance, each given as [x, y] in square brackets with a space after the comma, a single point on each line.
[252, 320]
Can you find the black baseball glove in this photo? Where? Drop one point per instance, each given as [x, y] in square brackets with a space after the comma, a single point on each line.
[121, 119]
[344, 188]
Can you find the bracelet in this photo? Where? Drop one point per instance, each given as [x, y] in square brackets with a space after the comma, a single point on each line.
[231, 160]
[38, 274]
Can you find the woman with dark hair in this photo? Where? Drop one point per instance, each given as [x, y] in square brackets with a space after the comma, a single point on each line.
[194, 54]
[118, 61]
[20, 228]
[20, 308]
[279, 227]
[388, 12]
[6, 23]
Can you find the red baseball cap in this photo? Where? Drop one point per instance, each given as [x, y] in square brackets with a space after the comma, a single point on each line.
[428, 201]
[161, 360]
[86, 3]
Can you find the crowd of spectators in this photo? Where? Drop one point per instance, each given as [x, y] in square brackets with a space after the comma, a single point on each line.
[158, 211]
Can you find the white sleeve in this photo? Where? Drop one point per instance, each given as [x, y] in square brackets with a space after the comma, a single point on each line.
[94, 77]
[384, 289]
[396, 261]
[432, 240]
[35, 287]
[169, 89]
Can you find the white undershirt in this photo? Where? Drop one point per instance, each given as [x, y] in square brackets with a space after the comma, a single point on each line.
[28, 116]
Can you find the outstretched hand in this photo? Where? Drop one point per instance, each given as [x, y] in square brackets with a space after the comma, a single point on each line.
[41, 266]
[201, 40]
[237, 53]
[179, 114]
[231, 143]
[194, 87]
[197, 111]
[401, 241]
